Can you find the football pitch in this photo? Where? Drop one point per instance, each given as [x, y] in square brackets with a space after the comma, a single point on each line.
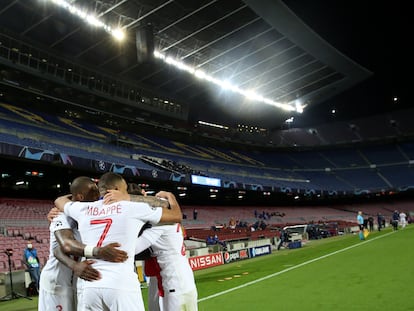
[339, 273]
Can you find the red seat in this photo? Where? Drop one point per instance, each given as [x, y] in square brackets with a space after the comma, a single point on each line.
[18, 265]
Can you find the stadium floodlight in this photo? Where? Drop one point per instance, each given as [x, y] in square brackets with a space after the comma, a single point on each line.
[299, 106]
[290, 120]
[118, 34]
[91, 19]
[225, 84]
[213, 125]
[200, 74]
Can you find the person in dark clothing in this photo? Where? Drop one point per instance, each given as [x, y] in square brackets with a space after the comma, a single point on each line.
[379, 220]
[284, 237]
[371, 223]
[394, 220]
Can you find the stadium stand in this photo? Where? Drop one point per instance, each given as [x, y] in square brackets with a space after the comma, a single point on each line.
[346, 169]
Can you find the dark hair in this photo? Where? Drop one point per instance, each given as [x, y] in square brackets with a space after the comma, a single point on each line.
[109, 181]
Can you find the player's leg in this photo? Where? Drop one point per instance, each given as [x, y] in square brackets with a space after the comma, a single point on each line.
[90, 299]
[180, 301]
[53, 302]
[153, 296]
[116, 300]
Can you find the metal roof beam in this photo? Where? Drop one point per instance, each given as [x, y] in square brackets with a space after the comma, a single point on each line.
[186, 16]
[147, 14]
[234, 47]
[221, 38]
[204, 28]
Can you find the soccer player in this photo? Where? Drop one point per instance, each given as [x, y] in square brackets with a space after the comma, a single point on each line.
[105, 221]
[151, 267]
[57, 285]
[179, 291]
[167, 245]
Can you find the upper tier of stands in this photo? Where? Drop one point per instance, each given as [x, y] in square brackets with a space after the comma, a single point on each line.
[351, 170]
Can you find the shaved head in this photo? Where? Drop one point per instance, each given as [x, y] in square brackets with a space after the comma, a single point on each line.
[111, 181]
[84, 189]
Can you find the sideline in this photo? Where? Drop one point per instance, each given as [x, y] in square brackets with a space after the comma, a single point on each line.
[292, 268]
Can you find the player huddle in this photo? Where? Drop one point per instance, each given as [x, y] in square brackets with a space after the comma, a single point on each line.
[105, 225]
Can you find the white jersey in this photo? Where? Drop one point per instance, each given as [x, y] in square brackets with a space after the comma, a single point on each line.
[57, 284]
[167, 244]
[55, 275]
[101, 224]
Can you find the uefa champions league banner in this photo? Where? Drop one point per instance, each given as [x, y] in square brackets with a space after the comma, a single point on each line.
[101, 166]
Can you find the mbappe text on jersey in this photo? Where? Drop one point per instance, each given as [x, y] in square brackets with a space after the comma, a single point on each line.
[105, 210]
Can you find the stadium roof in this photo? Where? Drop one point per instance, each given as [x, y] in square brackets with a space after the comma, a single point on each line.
[306, 52]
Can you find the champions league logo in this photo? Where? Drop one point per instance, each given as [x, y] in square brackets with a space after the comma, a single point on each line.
[58, 224]
[99, 165]
[102, 165]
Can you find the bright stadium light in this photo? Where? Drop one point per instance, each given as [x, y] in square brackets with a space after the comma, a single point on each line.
[225, 84]
[290, 120]
[213, 125]
[299, 106]
[91, 19]
[118, 34]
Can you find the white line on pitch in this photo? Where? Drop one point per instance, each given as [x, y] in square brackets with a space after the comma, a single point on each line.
[291, 268]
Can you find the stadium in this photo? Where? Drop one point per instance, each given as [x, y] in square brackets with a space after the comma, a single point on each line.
[257, 115]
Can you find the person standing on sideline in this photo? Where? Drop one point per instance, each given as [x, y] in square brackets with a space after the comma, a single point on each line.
[403, 219]
[284, 238]
[371, 223]
[195, 214]
[32, 263]
[360, 221]
[379, 220]
[105, 221]
[394, 220]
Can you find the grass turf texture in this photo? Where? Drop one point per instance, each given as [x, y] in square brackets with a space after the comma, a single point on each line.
[340, 273]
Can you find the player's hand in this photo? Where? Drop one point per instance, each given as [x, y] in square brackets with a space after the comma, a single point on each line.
[85, 271]
[164, 195]
[113, 196]
[53, 213]
[111, 253]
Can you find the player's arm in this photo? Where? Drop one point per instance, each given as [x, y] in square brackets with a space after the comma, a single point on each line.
[83, 269]
[71, 246]
[115, 196]
[61, 201]
[172, 214]
[150, 200]
[141, 244]
[54, 212]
